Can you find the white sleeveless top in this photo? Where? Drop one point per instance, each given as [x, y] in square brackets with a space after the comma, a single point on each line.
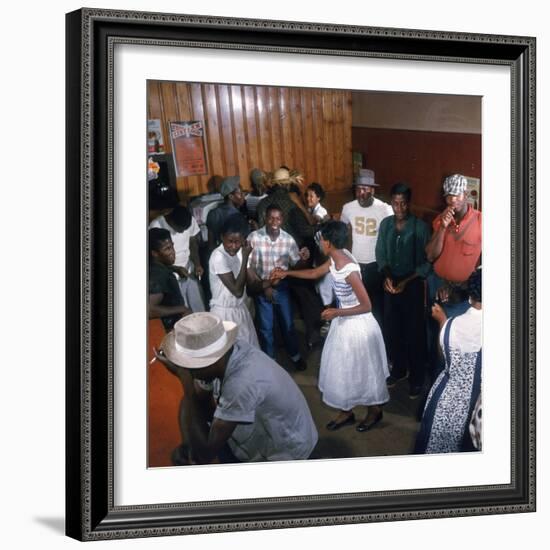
[342, 289]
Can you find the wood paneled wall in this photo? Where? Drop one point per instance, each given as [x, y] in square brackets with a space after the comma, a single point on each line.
[419, 158]
[261, 127]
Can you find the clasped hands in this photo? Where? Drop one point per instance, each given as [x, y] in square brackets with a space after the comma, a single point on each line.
[393, 289]
[277, 274]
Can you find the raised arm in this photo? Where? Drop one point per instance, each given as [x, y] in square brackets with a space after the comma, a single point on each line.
[236, 285]
[313, 273]
[435, 245]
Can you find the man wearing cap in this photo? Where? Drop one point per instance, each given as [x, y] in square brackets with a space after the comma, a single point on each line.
[364, 216]
[230, 190]
[260, 415]
[455, 251]
[455, 246]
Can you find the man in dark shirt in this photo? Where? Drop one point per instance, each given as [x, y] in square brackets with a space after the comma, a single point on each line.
[401, 258]
[165, 299]
[234, 200]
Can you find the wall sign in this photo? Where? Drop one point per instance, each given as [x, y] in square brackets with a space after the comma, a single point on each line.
[188, 147]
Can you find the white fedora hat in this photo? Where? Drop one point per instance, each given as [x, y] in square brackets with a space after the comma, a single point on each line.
[199, 340]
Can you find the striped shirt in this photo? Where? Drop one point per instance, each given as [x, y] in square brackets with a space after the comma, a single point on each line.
[267, 254]
[342, 289]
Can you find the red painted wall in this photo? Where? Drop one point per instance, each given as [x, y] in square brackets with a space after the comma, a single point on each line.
[422, 159]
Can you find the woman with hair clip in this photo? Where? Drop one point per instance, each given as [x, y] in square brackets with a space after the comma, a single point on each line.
[353, 363]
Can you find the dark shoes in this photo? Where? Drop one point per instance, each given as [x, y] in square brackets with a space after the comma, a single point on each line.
[333, 425]
[366, 426]
[414, 392]
[300, 364]
[391, 380]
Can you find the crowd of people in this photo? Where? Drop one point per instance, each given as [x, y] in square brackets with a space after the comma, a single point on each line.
[387, 298]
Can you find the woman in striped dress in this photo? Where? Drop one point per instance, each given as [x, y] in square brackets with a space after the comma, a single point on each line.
[353, 364]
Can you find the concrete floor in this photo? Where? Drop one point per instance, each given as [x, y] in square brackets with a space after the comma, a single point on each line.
[394, 435]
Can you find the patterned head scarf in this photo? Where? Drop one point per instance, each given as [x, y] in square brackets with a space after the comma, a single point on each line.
[454, 185]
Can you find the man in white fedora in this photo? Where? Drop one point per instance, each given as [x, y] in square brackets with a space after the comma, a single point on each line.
[260, 413]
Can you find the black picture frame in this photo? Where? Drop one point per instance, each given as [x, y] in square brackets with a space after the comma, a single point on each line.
[90, 512]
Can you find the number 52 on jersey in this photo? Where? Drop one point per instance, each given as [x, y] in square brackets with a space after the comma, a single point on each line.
[365, 226]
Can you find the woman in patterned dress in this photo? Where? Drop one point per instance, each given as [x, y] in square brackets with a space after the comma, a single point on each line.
[353, 364]
[451, 401]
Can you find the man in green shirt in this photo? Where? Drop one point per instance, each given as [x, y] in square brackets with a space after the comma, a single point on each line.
[401, 258]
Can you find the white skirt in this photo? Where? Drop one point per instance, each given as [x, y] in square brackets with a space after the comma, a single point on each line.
[241, 316]
[354, 367]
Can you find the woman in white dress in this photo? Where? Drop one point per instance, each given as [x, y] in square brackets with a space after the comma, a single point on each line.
[353, 364]
[227, 272]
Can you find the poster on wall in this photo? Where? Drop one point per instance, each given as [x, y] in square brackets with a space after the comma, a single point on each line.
[155, 138]
[472, 192]
[188, 147]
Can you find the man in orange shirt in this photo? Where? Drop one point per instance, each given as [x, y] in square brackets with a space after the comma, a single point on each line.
[454, 249]
[455, 246]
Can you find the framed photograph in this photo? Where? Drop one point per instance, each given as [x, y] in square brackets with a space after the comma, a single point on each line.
[112, 58]
[155, 139]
